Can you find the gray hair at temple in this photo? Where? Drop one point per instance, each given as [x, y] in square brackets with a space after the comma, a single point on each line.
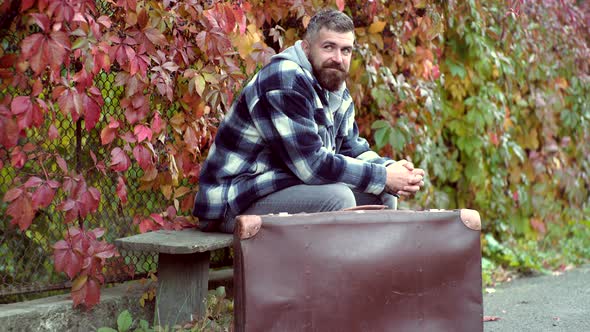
[330, 19]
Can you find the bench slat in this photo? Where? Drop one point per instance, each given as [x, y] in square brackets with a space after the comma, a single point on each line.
[186, 241]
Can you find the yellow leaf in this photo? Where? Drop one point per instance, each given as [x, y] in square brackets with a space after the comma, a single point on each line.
[377, 40]
[79, 282]
[305, 21]
[561, 83]
[179, 192]
[290, 36]
[244, 43]
[377, 27]
[166, 190]
[420, 4]
[177, 122]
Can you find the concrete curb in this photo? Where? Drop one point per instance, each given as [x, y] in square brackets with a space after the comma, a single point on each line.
[55, 313]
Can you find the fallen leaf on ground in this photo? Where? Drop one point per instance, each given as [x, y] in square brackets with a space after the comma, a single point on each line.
[490, 318]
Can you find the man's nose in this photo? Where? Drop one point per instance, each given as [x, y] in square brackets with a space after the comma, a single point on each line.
[337, 56]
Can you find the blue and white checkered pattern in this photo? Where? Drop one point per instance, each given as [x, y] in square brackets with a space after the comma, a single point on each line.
[280, 133]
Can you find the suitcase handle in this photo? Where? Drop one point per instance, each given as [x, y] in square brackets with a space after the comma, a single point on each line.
[365, 207]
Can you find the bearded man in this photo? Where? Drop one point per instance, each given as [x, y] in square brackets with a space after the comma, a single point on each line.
[290, 142]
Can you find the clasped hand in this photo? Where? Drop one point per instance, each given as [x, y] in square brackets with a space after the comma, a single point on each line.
[403, 179]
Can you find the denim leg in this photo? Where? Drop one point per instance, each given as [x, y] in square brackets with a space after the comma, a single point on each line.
[300, 198]
[369, 199]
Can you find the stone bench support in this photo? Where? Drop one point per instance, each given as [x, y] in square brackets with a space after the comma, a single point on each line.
[183, 270]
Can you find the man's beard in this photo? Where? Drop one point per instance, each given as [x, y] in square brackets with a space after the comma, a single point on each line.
[330, 75]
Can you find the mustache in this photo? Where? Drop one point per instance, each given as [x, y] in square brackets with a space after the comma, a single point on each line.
[334, 65]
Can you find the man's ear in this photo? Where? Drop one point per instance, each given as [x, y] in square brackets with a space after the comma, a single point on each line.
[305, 46]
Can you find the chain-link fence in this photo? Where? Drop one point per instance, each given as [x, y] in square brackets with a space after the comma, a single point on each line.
[26, 263]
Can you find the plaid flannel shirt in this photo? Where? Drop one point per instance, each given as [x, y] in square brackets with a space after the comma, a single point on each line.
[279, 133]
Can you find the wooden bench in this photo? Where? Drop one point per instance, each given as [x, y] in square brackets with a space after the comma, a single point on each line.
[183, 270]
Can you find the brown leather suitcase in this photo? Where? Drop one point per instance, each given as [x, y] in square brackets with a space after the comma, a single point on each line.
[359, 271]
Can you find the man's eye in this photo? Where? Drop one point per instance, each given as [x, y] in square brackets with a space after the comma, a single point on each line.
[328, 47]
[346, 51]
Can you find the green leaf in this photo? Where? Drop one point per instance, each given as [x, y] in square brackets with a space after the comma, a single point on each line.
[397, 140]
[124, 321]
[456, 69]
[382, 136]
[220, 291]
[379, 124]
[79, 43]
[144, 326]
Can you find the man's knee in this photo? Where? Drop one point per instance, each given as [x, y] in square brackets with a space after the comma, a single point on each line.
[338, 197]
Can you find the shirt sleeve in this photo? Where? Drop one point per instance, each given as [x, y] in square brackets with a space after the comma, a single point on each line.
[285, 119]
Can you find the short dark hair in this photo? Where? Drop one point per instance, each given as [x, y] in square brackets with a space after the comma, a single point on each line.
[330, 19]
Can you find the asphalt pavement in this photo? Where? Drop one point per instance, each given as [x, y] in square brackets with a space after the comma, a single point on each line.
[541, 303]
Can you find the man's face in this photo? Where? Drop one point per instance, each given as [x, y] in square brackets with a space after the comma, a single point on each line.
[330, 53]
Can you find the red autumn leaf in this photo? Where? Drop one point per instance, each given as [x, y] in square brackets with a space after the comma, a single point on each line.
[340, 4]
[45, 49]
[52, 132]
[108, 133]
[147, 225]
[9, 131]
[92, 292]
[33, 181]
[22, 107]
[61, 10]
[85, 290]
[538, 225]
[261, 53]
[155, 36]
[27, 113]
[143, 156]
[215, 42]
[119, 160]
[97, 232]
[53, 184]
[171, 212]
[26, 4]
[81, 200]
[142, 132]
[61, 162]
[435, 72]
[158, 219]
[136, 109]
[91, 112]
[221, 17]
[490, 318]
[240, 15]
[37, 87]
[105, 21]
[104, 250]
[12, 194]
[494, 138]
[90, 201]
[92, 107]
[157, 124]
[66, 259]
[18, 158]
[43, 196]
[122, 190]
[71, 209]
[70, 102]
[21, 211]
[41, 20]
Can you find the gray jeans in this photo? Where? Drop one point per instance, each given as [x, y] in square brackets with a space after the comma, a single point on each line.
[312, 198]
